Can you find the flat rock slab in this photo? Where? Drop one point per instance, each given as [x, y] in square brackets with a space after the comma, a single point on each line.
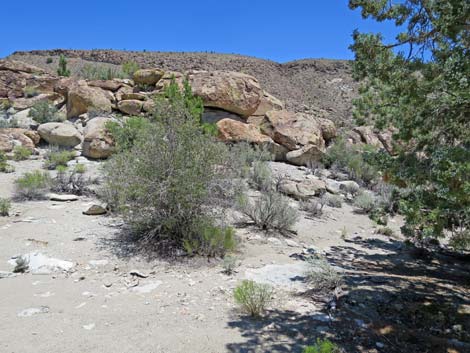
[62, 197]
[33, 311]
[146, 288]
[287, 277]
[41, 264]
[95, 210]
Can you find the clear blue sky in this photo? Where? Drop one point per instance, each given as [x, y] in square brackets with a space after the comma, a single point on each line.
[277, 30]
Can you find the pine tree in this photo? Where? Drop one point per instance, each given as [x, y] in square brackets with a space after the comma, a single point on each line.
[62, 70]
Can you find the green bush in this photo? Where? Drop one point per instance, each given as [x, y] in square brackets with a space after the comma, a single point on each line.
[253, 297]
[49, 61]
[334, 201]
[322, 346]
[62, 69]
[386, 231]
[125, 133]
[229, 264]
[21, 153]
[32, 185]
[129, 67]
[260, 176]
[5, 205]
[100, 72]
[313, 207]
[71, 181]
[322, 277]
[170, 177]
[44, 112]
[4, 166]
[365, 202]
[56, 157]
[210, 241]
[244, 156]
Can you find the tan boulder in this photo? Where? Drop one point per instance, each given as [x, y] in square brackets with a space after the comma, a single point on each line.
[97, 142]
[130, 106]
[305, 156]
[166, 79]
[147, 76]
[302, 189]
[52, 97]
[268, 102]
[11, 137]
[60, 134]
[328, 128]
[368, 136]
[108, 85]
[122, 91]
[236, 131]
[19, 66]
[133, 95]
[81, 99]
[292, 130]
[148, 106]
[231, 91]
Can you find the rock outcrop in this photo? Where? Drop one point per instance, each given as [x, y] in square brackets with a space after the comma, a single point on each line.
[60, 134]
[9, 138]
[97, 143]
[82, 98]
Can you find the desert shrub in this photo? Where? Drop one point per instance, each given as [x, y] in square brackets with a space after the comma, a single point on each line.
[71, 181]
[4, 166]
[21, 265]
[5, 205]
[322, 346]
[32, 185]
[245, 155]
[210, 241]
[171, 177]
[100, 72]
[313, 207]
[229, 264]
[49, 61]
[365, 202]
[56, 157]
[44, 112]
[253, 297]
[321, 276]
[270, 211]
[335, 201]
[388, 197]
[21, 153]
[126, 132]
[386, 231]
[30, 91]
[350, 188]
[129, 67]
[352, 160]
[62, 70]
[260, 176]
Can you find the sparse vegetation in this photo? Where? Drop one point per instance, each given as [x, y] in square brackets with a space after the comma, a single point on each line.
[5, 205]
[229, 264]
[210, 241]
[260, 176]
[322, 346]
[44, 112]
[100, 72]
[4, 166]
[30, 91]
[56, 157]
[321, 276]
[32, 185]
[129, 67]
[270, 211]
[49, 61]
[365, 202]
[313, 207]
[253, 297]
[334, 201]
[22, 265]
[62, 69]
[386, 231]
[71, 180]
[21, 153]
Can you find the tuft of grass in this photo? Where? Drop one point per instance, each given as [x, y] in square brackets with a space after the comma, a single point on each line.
[30, 92]
[21, 153]
[56, 157]
[334, 201]
[365, 202]
[322, 276]
[5, 205]
[387, 231]
[44, 112]
[4, 166]
[322, 346]
[253, 297]
[229, 264]
[32, 185]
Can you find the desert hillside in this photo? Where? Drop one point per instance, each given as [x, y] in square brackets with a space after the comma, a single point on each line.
[310, 83]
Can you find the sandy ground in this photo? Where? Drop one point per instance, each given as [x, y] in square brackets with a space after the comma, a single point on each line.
[99, 306]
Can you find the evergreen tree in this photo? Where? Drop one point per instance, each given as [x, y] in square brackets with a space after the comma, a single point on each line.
[420, 85]
[62, 70]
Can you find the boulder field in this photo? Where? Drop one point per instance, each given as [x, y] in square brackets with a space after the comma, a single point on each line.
[241, 109]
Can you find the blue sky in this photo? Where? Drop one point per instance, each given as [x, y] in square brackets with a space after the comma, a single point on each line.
[277, 30]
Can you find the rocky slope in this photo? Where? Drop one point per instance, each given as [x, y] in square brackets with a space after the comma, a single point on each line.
[315, 84]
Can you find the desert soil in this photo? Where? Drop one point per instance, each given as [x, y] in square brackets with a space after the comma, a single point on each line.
[186, 305]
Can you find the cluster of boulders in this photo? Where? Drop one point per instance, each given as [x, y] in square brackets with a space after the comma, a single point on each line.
[234, 101]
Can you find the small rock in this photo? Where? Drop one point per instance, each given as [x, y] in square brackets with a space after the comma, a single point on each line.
[97, 263]
[95, 210]
[275, 241]
[33, 311]
[146, 288]
[138, 274]
[379, 344]
[291, 243]
[89, 326]
[62, 197]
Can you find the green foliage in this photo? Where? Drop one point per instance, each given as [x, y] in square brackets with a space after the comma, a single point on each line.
[44, 112]
[386, 231]
[56, 157]
[5, 205]
[313, 207]
[352, 160]
[244, 156]
[70, 181]
[253, 297]
[322, 277]
[365, 202]
[270, 211]
[229, 264]
[21, 153]
[126, 133]
[49, 61]
[100, 72]
[30, 92]
[334, 201]
[129, 67]
[32, 185]
[62, 69]
[4, 166]
[168, 178]
[322, 346]
[260, 176]
[210, 241]
[419, 84]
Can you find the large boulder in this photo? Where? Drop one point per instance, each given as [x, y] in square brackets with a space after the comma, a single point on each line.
[236, 131]
[60, 134]
[302, 189]
[293, 130]
[231, 91]
[97, 142]
[147, 76]
[328, 128]
[82, 98]
[109, 85]
[305, 156]
[9, 138]
[268, 102]
[130, 106]
[52, 97]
